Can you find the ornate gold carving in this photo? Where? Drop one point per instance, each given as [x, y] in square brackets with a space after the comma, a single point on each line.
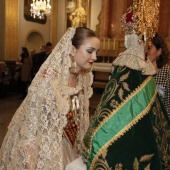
[147, 17]
[142, 18]
[79, 16]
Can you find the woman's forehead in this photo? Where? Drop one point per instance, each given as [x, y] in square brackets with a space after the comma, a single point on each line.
[91, 40]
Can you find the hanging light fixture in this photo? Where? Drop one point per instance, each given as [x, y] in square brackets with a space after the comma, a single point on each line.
[40, 8]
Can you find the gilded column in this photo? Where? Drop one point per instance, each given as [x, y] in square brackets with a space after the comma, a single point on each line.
[2, 29]
[11, 29]
[54, 17]
[105, 19]
[118, 8]
[164, 18]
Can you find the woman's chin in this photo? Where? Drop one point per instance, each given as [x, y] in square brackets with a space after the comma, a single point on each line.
[86, 68]
[89, 66]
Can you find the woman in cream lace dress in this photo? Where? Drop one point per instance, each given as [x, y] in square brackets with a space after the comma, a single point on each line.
[46, 130]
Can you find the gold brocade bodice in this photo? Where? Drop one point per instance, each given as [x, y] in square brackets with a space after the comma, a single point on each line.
[71, 129]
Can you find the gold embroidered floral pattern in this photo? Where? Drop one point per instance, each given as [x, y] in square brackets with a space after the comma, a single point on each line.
[162, 135]
[101, 113]
[115, 85]
[114, 103]
[144, 158]
[124, 85]
[118, 166]
[117, 94]
[102, 164]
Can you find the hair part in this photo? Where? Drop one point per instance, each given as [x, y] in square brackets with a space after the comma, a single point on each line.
[80, 35]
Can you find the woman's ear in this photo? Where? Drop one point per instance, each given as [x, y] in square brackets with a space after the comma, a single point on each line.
[159, 51]
[73, 50]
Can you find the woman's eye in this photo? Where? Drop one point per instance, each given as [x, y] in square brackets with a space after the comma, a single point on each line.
[89, 51]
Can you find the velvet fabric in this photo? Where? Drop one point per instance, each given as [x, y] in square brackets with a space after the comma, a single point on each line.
[130, 129]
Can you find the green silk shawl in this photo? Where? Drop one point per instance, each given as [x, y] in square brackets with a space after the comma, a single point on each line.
[130, 129]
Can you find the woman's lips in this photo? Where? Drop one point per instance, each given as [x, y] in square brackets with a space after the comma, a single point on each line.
[91, 63]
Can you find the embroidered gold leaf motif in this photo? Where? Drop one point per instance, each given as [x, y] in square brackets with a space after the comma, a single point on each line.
[126, 86]
[101, 163]
[156, 130]
[114, 103]
[124, 77]
[136, 164]
[120, 93]
[146, 157]
[148, 167]
[118, 166]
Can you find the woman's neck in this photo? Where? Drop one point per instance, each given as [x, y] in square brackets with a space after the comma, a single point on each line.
[155, 66]
[72, 82]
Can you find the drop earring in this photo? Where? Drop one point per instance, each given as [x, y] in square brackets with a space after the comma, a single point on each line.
[72, 68]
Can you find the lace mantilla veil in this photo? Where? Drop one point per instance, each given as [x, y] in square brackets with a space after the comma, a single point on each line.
[134, 56]
[34, 139]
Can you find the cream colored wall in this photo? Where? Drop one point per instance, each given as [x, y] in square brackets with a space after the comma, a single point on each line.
[95, 8]
[51, 31]
[25, 27]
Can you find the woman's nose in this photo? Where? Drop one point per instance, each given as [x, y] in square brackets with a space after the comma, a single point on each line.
[94, 57]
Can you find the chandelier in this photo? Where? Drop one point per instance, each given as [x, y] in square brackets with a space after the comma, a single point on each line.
[40, 8]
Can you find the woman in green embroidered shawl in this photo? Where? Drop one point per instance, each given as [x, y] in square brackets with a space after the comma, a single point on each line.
[130, 129]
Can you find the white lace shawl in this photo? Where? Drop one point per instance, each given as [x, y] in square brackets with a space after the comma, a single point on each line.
[134, 56]
[34, 139]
